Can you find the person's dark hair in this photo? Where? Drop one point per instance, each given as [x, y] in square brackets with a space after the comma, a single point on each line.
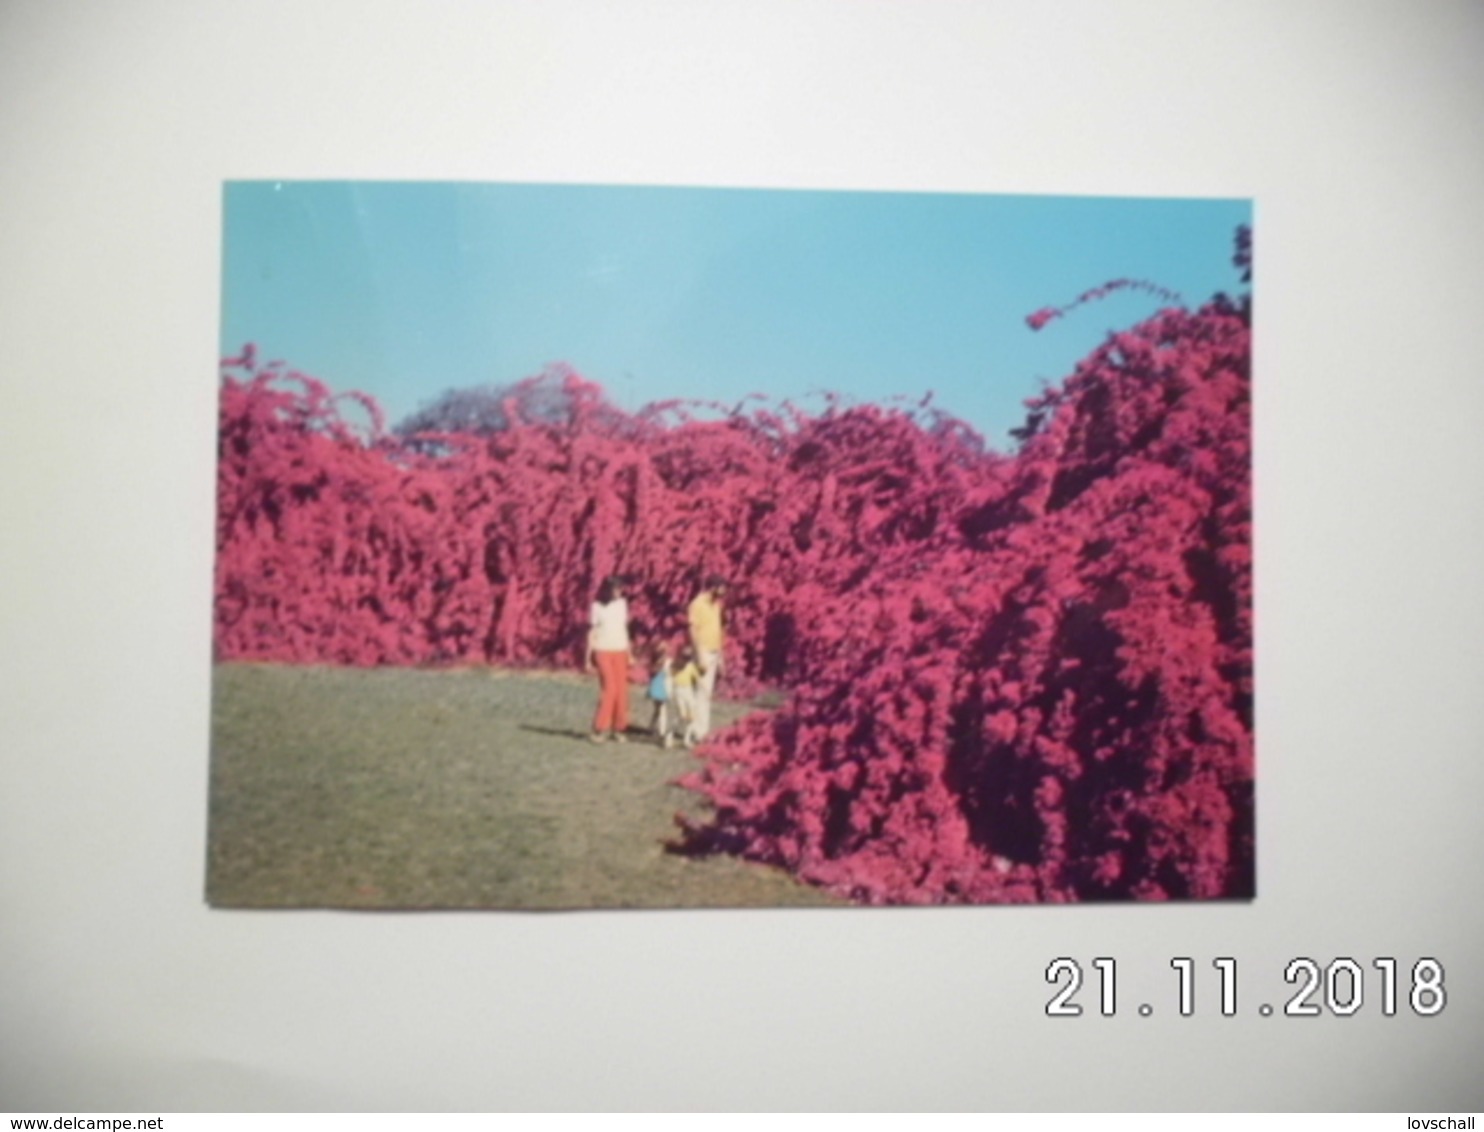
[715, 582]
[610, 588]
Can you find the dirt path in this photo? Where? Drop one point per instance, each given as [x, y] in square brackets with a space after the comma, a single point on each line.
[404, 788]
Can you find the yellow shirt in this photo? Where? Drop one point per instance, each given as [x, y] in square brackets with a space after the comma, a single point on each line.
[705, 623]
[687, 676]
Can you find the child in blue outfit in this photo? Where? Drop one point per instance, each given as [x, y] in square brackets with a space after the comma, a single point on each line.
[661, 694]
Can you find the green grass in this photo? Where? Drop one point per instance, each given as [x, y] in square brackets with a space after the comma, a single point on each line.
[407, 788]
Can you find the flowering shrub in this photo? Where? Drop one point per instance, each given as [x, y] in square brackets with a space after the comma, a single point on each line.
[1053, 701]
[1012, 679]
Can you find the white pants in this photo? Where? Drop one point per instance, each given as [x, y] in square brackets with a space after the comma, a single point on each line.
[705, 687]
[661, 718]
[685, 712]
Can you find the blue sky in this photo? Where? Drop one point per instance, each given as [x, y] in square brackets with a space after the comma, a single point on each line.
[404, 290]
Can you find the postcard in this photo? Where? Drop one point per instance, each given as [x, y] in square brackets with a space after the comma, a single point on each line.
[641, 547]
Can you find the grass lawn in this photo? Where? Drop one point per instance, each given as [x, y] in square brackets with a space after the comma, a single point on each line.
[409, 788]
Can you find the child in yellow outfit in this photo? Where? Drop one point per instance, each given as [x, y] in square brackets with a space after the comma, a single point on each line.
[686, 679]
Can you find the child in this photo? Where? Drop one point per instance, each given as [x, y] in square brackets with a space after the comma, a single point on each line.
[661, 693]
[686, 680]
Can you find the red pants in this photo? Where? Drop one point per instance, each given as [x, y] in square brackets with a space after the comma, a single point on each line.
[613, 698]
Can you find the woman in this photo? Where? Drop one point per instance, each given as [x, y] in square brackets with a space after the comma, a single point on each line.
[608, 648]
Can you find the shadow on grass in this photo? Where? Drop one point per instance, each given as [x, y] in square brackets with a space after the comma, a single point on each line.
[632, 735]
[710, 837]
[559, 732]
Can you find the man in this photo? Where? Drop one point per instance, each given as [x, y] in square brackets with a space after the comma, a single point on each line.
[707, 637]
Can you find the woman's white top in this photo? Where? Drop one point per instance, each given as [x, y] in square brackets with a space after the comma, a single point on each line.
[611, 626]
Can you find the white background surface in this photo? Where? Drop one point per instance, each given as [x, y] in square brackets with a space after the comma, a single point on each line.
[1355, 128]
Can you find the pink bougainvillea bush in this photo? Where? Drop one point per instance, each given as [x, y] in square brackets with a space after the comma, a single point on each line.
[1053, 701]
[338, 543]
[1011, 678]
